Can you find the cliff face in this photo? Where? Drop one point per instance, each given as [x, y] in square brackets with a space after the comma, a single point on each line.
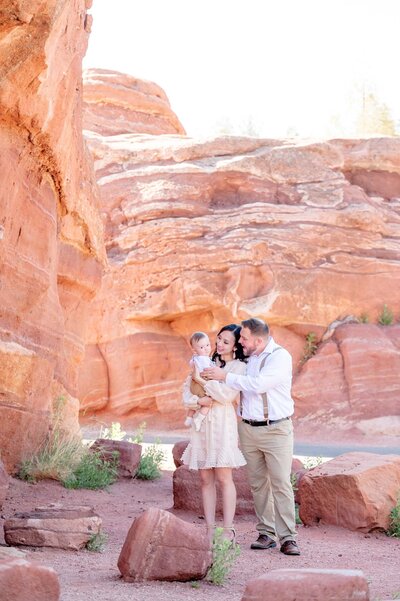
[200, 233]
[51, 236]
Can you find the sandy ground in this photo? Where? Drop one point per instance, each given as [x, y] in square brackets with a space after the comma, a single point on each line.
[87, 576]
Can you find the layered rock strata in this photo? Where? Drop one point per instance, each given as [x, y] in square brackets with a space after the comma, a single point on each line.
[51, 237]
[116, 103]
[200, 233]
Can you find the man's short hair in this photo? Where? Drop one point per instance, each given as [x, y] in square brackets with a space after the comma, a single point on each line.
[196, 337]
[257, 327]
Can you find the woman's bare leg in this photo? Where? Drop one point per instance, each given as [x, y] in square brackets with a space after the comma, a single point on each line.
[228, 489]
[209, 495]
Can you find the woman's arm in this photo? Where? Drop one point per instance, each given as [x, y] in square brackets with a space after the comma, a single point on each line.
[221, 392]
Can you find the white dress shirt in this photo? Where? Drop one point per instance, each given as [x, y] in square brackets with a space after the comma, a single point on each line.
[275, 379]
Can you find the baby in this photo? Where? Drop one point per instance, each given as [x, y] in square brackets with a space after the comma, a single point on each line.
[201, 348]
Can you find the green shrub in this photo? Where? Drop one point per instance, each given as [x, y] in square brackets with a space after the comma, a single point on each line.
[310, 347]
[56, 459]
[97, 542]
[150, 463]
[311, 462]
[225, 553]
[363, 318]
[386, 317]
[93, 472]
[114, 432]
[394, 525]
[138, 438]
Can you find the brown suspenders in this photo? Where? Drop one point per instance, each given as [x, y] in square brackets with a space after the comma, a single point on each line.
[262, 394]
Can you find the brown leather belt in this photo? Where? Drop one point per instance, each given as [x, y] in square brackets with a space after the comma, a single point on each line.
[266, 422]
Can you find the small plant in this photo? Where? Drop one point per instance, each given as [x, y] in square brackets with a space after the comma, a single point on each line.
[310, 347]
[296, 514]
[93, 471]
[394, 525]
[56, 459]
[97, 542]
[138, 438]
[114, 432]
[150, 463]
[195, 584]
[225, 553]
[311, 462]
[386, 317]
[363, 318]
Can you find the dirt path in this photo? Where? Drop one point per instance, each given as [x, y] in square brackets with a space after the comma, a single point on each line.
[86, 576]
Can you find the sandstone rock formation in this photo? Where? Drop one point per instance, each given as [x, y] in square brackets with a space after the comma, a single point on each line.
[355, 491]
[308, 583]
[204, 232]
[354, 378]
[53, 526]
[51, 238]
[23, 580]
[116, 103]
[127, 454]
[160, 546]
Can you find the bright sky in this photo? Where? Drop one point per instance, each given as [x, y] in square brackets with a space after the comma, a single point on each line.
[285, 65]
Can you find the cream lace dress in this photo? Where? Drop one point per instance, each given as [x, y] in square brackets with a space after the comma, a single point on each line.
[216, 444]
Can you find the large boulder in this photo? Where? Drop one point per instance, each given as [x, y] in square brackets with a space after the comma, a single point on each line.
[23, 580]
[160, 546]
[53, 526]
[355, 491]
[308, 584]
[128, 454]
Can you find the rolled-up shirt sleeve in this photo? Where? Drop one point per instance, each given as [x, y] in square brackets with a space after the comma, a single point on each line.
[275, 372]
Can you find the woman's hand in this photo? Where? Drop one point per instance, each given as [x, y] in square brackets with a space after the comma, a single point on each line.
[205, 401]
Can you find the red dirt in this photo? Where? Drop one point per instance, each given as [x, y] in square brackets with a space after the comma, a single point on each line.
[89, 576]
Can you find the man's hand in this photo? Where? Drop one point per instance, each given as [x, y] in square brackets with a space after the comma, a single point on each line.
[205, 401]
[213, 373]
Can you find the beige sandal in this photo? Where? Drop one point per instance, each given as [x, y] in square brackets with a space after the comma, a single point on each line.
[232, 534]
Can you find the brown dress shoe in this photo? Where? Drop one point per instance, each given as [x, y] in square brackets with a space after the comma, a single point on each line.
[263, 542]
[289, 547]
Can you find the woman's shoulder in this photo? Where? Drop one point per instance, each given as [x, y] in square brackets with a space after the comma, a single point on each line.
[236, 366]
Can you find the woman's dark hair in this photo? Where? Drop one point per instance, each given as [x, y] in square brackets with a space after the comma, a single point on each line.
[238, 353]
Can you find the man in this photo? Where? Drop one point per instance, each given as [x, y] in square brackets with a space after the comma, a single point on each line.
[266, 433]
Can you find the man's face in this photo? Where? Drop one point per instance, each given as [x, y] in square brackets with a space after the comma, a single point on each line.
[248, 341]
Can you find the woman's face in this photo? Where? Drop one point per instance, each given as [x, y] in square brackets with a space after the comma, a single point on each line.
[225, 343]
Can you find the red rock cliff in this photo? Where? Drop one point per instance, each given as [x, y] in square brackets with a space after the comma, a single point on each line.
[51, 237]
[203, 232]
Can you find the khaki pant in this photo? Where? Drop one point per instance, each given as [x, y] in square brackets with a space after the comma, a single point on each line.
[268, 451]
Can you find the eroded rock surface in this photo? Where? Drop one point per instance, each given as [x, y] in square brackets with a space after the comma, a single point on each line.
[160, 546]
[51, 236]
[355, 491]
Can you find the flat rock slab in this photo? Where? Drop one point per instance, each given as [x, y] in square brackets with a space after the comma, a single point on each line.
[53, 526]
[308, 585]
[129, 454]
[160, 546]
[22, 580]
[355, 490]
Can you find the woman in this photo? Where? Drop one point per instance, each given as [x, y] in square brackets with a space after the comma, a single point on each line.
[214, 449]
